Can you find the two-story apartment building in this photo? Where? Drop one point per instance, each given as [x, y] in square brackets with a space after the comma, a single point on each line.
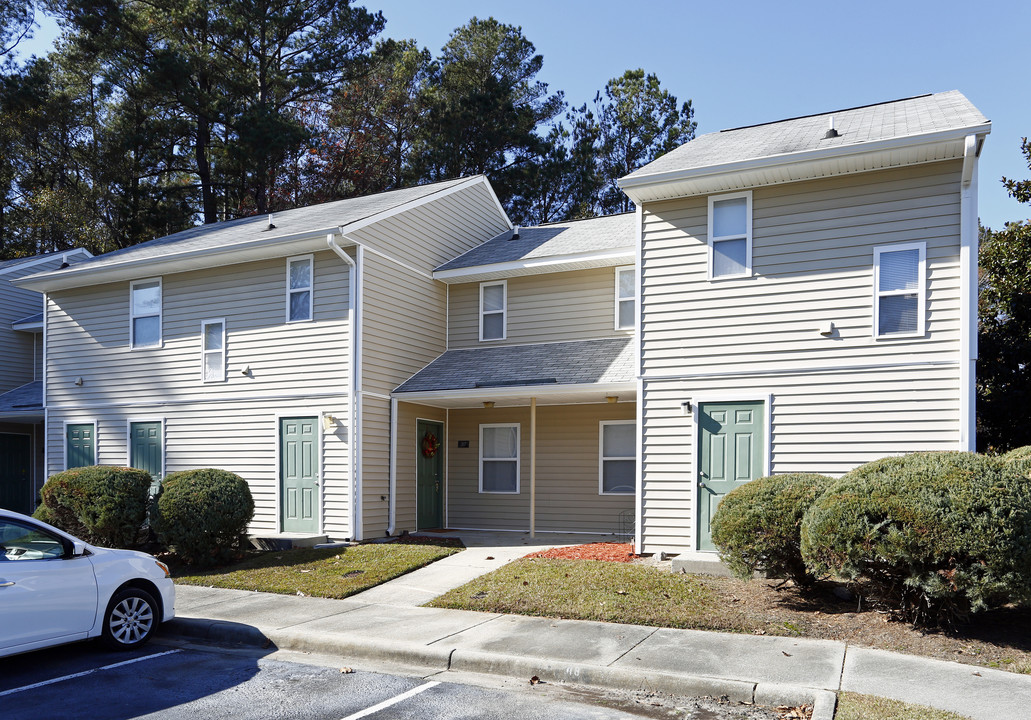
[21, 374]
[795, 296]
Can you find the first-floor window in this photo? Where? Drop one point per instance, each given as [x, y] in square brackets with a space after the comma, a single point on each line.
[618, 457]
[499, 458]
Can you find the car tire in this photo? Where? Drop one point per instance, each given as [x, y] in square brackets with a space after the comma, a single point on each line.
[130, 619]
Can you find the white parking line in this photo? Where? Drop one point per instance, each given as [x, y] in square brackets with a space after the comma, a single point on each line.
[392, 701]
[86, 672]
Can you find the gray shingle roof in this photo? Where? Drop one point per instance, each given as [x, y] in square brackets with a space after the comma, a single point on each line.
[567, 238]
[884, 121]
[287, 222]
[587, 361]
[25, 398]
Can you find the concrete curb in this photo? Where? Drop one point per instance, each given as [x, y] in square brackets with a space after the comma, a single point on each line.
[438, 658]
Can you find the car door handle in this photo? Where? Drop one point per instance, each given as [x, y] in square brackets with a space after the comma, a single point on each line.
[7, 584]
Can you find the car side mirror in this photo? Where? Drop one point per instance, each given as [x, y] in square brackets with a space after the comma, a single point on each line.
[78, 548]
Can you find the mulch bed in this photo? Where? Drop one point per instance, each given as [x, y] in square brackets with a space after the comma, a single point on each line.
[607, 551]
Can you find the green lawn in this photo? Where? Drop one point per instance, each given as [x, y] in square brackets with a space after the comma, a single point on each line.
[589, 590]
[328, 573]
[867, 707]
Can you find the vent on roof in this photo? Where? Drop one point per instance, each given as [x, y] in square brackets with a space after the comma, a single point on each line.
[270, 225]
[831, 132]
[515, 233]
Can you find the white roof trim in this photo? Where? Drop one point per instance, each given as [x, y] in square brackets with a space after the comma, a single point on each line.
[805, 160]
[45, 259]
[535, 265]
[519, 391]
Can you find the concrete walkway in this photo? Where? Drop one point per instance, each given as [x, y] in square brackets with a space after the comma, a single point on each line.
[384, 625]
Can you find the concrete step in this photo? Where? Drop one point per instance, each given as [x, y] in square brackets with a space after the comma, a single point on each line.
[700, 563]
[286, 541]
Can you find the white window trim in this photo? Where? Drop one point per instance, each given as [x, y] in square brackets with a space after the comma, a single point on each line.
[712, 239]
[632, 298]
[64, 440]
[310, 288]
[204, 352]
[602, 457]
[160, 315]
[503, 311]
[921, 290]
[518, 462]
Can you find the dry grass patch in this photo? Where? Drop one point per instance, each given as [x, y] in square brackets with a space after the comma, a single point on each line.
[867, 707]
[328, 573]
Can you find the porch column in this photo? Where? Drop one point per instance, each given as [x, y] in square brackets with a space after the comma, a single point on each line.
[533, 467]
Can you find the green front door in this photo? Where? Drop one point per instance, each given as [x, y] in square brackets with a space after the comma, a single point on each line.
[145, 450]
[15, 464]
[299, 474]
[80, 445]
[429, 476]
[731, 443]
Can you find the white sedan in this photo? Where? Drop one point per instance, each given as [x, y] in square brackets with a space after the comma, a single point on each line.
[55, 588]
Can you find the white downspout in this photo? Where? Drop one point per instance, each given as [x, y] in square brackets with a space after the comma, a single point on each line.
[392, 467]
[968, 296]
[352, 272]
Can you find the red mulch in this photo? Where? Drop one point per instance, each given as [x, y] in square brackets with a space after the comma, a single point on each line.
[608, 551]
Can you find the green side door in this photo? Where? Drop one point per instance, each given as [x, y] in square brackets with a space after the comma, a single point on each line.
[15, 464]
[80, 445]
[731, 443]
[429, 479]
[145, 450]
[298, 474]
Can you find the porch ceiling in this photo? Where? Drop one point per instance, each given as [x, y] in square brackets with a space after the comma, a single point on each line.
[520, 396]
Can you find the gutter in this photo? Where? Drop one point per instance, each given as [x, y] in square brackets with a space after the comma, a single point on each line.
[353, 382]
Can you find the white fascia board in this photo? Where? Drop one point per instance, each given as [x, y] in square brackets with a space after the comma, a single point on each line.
[32, 327]
[411, 204]
[50, 257]
[522, 391]
[198, 258]
[532, 266]
[631, 185]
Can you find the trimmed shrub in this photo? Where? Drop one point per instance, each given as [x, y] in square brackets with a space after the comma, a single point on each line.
[101, 504]
[203, 514]
[936, 535]
[756, 526]
[1019, 460]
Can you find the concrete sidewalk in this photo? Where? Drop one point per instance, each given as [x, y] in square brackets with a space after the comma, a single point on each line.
[384, 625]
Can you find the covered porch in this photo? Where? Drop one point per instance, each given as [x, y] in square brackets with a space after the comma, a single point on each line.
[21, 447]
[520, 439]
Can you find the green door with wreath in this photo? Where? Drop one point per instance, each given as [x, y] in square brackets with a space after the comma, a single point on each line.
[429, 482]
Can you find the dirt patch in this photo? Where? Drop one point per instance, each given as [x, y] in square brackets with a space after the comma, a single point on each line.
[606, 551]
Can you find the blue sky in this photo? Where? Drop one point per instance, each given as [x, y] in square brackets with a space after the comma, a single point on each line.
[747, 62]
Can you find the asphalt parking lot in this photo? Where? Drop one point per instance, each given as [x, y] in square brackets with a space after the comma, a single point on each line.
[167, 681]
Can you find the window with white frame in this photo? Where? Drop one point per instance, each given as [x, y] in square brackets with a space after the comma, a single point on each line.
[493, 305]
[618, 452]
[299, 288]
[213, 351]
[730, 235]
[625, 277]
[499, 458]
[145, 313]
[899, 290]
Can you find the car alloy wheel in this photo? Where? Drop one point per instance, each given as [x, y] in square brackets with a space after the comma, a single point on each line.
[130, 619]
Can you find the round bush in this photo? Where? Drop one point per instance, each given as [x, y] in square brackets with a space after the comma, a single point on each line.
[101, 504]
[203, 515]
[937, 535]
[756, 526]
[1019, 460]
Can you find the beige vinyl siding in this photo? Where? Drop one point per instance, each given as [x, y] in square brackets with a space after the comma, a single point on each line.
[567, 471]
[552, 307]
[407, 455]
[437, 231]
[19, 350]
[813, 262]
[838, 401]
[820, 422]
[88, 337]
[235, 435]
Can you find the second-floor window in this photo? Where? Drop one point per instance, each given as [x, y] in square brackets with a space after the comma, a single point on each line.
[625, 298]
[299, 288]
[899, 290]
[493, 306]
[730, 235]
[145, 312]
[213, 354]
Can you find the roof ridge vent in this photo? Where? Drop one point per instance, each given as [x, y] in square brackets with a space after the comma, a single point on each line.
[831, 132]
